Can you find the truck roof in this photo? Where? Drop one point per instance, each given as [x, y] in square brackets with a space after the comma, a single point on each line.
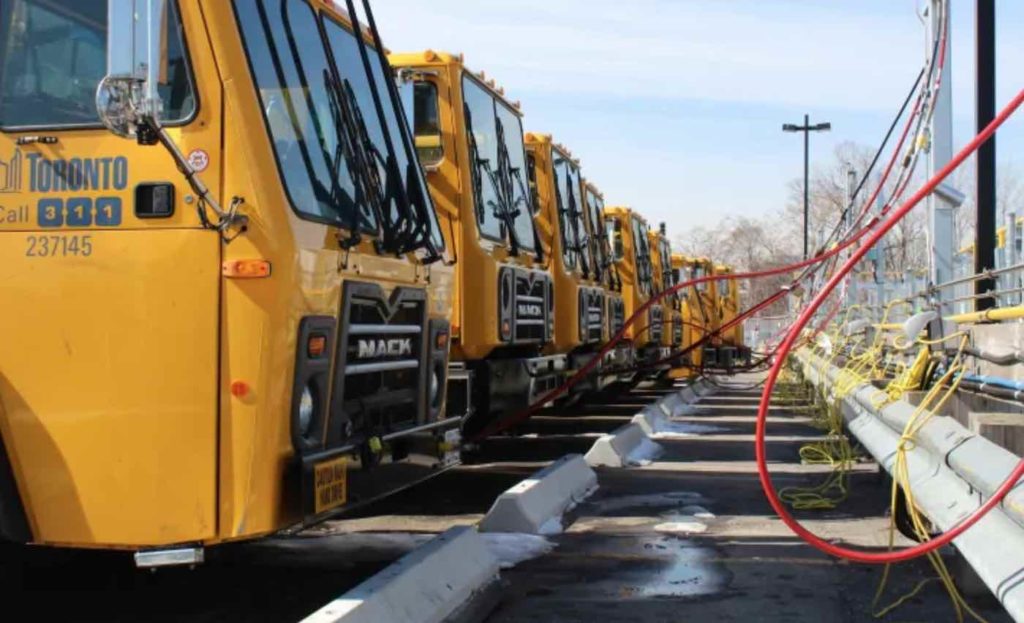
[435, 58]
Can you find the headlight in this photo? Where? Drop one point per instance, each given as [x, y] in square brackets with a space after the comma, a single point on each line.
[307, 406]
[435, 387]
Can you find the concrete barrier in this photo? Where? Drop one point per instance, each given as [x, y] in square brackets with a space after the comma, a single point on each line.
[428, 585]
[621, 448]
[651, 420]
[674, 405]
[536, 505]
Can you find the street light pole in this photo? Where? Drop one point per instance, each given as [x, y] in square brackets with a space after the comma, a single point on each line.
[807, 128]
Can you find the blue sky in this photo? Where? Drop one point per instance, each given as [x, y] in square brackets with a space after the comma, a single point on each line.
[675, 106]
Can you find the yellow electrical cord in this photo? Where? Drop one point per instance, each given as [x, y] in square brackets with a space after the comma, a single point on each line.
[836, 451]
[901, 479]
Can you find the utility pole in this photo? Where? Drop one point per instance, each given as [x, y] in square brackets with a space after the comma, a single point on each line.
[806, 128]
[851, 188]
[942, 203]
[985, 112]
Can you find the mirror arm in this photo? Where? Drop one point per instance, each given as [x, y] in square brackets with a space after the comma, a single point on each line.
[226, 218]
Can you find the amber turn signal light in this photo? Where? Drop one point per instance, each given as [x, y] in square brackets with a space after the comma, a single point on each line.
[246, 269]
[316, 346]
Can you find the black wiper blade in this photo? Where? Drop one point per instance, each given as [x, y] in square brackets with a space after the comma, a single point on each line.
[359, 157]
[504, 181]
[518, 174]
[478, 164]
[403, 237]
[575, 220]
[502, 209]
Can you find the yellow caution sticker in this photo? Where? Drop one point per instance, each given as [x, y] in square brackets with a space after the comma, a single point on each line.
[330, 487]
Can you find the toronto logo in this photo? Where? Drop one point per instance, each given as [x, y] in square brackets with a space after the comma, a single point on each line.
[10, 173]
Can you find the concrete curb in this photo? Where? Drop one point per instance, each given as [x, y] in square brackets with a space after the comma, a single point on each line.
[427, 585]
[614, 449]
[535, 505]
[651, 418]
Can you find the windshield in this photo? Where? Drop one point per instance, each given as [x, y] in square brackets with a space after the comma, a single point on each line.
[598, 244]
[303, 111]
[643, 256]
[318, 102]
[575, 242]
[500, 187]
[55, 54]
[666, 263]
[699, 272]
[359, 89]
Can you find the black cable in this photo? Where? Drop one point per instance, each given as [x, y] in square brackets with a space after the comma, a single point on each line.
[874, 161]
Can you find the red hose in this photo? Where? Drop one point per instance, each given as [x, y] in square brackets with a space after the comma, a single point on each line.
[802, 321]
[500, 425]
[503, 424]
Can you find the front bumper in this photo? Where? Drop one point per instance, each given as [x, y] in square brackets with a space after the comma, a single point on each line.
[505, 387]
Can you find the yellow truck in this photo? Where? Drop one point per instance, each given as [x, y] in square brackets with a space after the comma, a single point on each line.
[698, 308]
[681, 366]
[618, 363]
[631, 250]
[470, 140]
[730, 344]
[661, 254]
[573, 258]
[704, 310]
[226, 290]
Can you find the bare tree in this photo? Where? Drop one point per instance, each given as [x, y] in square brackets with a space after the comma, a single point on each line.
[751, 244]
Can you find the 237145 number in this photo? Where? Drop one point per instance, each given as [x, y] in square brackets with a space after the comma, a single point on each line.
[58, 246]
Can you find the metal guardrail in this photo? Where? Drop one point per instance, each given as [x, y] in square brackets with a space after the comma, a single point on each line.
[950, 471]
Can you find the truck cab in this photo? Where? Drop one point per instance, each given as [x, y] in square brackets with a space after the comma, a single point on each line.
[224, 278]
[730, 344]
[661, 255]
[470, 140]
[704, 309]
[628, 234]
[618, 363]
[580, 305]
[683, 367]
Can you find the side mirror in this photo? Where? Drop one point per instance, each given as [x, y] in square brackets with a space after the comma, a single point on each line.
[406, 81]
[128, 100]
[615, 233]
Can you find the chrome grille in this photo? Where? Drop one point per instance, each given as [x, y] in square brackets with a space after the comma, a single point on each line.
[591, 310]
[655, 317]
[530, 307]
[379, 376]
[677, 330]
[616, 315]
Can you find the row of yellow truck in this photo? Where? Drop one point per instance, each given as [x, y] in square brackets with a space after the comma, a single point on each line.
[309, 273]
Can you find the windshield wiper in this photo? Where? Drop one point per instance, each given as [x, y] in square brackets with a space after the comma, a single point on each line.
[383, 188]
[360, 160]
[500, 208]
[335, 192]
[410, 233]
[518, 174]
[505, 175]
[575, 219]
